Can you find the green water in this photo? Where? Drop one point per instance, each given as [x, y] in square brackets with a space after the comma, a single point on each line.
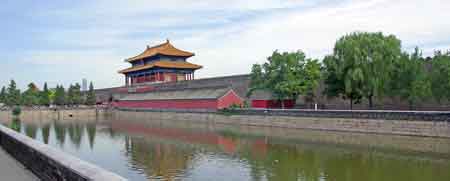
[161, 150]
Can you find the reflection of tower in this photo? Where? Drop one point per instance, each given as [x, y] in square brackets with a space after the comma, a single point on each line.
[84, 84]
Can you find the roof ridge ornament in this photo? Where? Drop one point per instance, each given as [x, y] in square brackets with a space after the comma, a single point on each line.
[167, 40]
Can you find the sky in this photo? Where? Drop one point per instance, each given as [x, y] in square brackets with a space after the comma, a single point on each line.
[61, 42]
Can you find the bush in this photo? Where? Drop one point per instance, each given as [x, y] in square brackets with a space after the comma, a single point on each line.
[16, 111]
[234, 106]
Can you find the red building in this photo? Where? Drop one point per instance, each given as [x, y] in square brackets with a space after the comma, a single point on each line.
[207, 98]
[264, 99]
[161, 63]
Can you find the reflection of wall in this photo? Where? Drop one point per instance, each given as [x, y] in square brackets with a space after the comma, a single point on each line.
[294, 161]
[290, 154]
[158, 160]
[398, 127]
[208, 122]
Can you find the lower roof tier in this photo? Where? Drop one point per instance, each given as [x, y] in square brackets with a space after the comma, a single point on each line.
[163, 64]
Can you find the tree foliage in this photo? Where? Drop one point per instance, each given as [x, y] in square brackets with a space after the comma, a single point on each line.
[60, 96]
[44, 98]
[360, 65]
[286, 75]
[440, 76]
[3, 95]
[90, 97]
[31, 96]
[409, 79]
[13, 97]
[74, 96]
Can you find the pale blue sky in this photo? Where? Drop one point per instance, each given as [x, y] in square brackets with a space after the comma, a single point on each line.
[65, 41]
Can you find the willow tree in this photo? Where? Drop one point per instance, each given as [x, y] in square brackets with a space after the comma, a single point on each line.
[410, 80]
[440, 76]
[362, 63]
[286, 75]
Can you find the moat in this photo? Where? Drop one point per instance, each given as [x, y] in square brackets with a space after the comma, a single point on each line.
[140, 149]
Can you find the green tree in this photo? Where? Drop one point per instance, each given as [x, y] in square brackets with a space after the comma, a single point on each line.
[45, 96]
[90, 98]
[13, 97]
[312, 78]
[69, 95]
[60, 95]
[410, 81]
[3, 95]
[31, 96]
[440, 76]
[286, 75]
[363, 63]
[257, 80]
[52, 93]
[77, 96]
[74, 96]
[343, 81]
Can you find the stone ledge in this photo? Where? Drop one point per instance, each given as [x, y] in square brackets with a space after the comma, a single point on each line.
[49, 163]
[440, 116]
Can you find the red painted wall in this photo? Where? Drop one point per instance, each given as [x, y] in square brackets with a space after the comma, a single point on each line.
[288, 104]
[170, 104]
[260, 103]
[229, 99]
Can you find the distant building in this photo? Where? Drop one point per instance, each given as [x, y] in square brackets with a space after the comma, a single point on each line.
[161, 63]
[157, 80]
[211, 98]
[84, 85]
[264, 99]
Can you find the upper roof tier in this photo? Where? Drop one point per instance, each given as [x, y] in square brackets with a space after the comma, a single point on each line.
[162, 49]
[163, 64]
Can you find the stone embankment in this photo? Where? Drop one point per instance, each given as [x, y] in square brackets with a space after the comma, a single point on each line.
[56, 114]
[430, 124]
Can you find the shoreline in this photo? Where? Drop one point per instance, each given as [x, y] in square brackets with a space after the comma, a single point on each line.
[409, 123]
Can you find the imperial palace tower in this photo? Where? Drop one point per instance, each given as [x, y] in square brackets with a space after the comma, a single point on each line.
[161, 63]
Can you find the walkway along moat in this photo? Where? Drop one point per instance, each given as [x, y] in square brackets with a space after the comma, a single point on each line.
[10, 169]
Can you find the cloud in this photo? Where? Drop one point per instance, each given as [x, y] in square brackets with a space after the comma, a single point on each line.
[93, 38]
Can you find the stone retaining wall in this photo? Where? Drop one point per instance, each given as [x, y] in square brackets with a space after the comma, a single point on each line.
[48, 163]
[360, 114]
[432, 124]
[51, 114]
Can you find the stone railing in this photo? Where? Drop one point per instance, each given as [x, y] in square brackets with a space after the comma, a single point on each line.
[358, 114]
[48, 163]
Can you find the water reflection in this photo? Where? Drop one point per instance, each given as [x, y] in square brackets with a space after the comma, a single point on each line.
[170, 150]
[75, 132]
[91, 131]
[31, 130]
[60, 132]
[45, 133]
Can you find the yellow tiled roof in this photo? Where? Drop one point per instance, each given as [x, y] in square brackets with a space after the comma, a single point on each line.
[163, 64]
[163, 49]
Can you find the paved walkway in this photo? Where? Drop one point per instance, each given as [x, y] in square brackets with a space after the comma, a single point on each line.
[10, 169]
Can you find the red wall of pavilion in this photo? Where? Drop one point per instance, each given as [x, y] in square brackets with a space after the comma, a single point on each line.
[229, 99]
[288, 104]
[170, 104]
[226, 101]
